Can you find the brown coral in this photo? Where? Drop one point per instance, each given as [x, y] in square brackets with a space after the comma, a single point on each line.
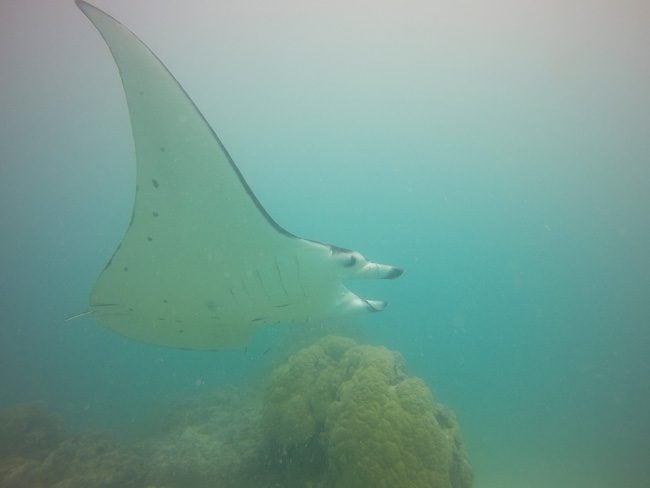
[348, 415]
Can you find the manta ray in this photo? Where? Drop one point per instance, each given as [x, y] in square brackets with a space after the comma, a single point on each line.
[202, 264]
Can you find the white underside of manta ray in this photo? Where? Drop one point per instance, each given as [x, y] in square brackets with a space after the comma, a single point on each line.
[202, 264]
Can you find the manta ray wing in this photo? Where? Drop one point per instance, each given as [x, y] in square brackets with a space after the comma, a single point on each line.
[202, 264]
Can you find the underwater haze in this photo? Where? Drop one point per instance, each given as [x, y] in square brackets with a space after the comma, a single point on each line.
[498, 152]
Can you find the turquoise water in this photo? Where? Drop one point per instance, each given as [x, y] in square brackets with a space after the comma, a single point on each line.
[500, 156]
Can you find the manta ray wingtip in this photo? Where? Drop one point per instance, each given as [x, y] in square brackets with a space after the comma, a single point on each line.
[86, 7]
[394, 273]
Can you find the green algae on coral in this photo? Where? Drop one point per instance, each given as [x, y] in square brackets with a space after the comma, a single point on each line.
[355, 406]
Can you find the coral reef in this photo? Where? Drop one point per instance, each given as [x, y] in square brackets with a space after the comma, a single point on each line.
[345, 415]
[335, 414]
[91, 459]
[28, 431]
[35, 453]
[18, 472]
[27, 435]
[207, 442]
